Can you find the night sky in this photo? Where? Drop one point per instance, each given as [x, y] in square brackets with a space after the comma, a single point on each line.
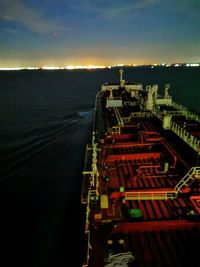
[98, 32]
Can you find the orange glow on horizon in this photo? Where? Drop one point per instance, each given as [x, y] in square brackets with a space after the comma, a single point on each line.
[18, 63]
[88, 63]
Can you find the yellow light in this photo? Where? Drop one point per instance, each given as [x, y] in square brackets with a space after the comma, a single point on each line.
[72, 67]
[15, 68]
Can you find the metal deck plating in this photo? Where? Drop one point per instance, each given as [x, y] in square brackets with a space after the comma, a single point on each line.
[141, 180]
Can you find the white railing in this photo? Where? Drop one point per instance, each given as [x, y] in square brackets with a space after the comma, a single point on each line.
[188, 113]
[186, 136]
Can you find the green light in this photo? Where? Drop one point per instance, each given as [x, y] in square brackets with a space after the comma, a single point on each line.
[135, 213]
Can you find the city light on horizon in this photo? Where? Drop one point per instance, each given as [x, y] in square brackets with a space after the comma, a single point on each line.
[94, 66]
[91, 67]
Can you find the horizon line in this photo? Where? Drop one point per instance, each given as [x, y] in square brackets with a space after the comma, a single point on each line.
[72, 67]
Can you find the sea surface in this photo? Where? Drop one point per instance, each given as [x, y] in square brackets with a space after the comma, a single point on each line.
[45, 123]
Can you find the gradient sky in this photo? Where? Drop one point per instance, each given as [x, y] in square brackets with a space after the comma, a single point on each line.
[102, 32]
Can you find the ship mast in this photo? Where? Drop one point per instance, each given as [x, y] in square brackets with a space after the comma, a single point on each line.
[122, 81]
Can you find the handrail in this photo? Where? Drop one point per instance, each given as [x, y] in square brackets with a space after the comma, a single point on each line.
[150, 195]
[191, 175]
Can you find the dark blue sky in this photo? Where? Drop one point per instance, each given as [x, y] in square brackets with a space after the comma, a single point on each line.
[102, 32]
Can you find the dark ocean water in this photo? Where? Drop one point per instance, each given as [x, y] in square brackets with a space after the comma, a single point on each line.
[45, 122]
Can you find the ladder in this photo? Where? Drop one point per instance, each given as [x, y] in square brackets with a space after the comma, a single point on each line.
[188, 179]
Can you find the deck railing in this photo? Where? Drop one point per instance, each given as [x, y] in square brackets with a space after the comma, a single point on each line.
[150, 195]
[188, 113]
[187, 137]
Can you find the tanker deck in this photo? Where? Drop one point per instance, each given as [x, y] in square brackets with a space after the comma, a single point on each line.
[141, 180]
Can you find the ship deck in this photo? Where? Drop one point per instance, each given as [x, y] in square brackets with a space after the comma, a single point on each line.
[149, 190]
